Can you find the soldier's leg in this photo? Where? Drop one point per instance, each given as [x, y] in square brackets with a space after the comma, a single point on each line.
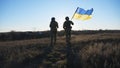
[67, 36]
[70, 34]
[55, 38]
[51, 38]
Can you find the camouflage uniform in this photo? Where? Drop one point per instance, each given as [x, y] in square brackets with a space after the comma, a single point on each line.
[53, 30]
[67, 26]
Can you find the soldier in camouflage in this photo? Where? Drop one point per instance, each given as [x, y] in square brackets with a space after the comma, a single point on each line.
[67, 27]
[53, 30]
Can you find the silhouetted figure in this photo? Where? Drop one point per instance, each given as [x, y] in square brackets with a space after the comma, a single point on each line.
[67, 26]
[53, 30]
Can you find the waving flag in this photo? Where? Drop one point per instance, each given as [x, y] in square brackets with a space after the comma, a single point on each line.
[82, 14]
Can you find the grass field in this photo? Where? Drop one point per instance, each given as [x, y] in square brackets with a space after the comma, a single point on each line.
[101, 50]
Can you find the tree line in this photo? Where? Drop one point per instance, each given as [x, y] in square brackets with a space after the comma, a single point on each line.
[11, 36]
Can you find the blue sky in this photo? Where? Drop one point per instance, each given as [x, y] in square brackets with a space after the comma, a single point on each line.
[35, 15]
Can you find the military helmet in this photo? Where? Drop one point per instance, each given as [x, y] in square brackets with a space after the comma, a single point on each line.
[53, 18]
[67, 18]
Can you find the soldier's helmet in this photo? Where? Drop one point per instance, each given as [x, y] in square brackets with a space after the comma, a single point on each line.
[53, 18]
[67, 18]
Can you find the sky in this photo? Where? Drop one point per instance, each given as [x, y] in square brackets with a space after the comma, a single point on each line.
[35, 15]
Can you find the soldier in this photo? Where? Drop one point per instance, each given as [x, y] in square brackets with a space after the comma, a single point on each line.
[67, 27]
[53, 30]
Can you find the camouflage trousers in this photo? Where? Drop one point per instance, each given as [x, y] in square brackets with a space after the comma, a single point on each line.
[68, 35]
[53, 36]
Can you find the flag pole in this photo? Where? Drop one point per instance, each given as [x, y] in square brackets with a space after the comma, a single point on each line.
[74, 13]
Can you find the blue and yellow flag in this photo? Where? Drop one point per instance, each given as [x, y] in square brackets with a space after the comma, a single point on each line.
[82, 14]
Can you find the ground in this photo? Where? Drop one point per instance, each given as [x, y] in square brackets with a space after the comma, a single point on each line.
[100, 50]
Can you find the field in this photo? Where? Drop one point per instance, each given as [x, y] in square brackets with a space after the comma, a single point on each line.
[97, 50]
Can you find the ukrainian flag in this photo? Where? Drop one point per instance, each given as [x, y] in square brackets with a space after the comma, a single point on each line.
[82, 14]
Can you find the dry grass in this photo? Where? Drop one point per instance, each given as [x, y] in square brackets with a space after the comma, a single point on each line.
[88, 51]
[100, 55]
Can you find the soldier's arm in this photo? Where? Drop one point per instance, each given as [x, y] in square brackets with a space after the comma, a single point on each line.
[72, 23]
[50, 25]
[57, 25]
[64, 25]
